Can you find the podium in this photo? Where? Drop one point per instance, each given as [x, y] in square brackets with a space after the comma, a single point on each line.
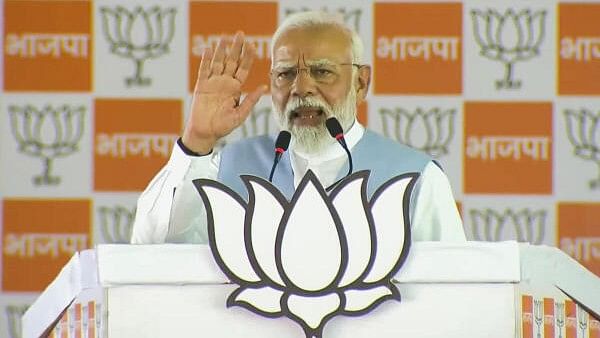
[472, 289]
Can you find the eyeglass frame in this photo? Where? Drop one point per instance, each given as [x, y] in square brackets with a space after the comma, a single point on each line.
[274, 77]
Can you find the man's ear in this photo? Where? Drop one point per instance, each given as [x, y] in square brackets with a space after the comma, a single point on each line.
[363, 82]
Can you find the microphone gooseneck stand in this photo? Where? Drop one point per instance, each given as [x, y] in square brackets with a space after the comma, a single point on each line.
[281, 145]
[336, 131]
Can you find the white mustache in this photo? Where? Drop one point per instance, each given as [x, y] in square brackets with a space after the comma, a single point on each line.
[306, 102]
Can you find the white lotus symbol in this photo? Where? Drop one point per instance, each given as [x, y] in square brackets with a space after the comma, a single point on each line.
[316, 256]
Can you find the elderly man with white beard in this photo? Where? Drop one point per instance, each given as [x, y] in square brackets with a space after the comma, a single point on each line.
[317, 72]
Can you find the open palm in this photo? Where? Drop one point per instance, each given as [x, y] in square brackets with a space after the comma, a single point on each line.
[216, 108]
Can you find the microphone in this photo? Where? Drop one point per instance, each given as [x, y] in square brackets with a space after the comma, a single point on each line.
[335, 130]
[281, 145]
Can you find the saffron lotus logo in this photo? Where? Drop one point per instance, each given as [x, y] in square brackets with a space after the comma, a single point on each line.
[524, 226]
[559, 310]
[47, 133]
[583, 131]
[582, 320]
[428, 130]
[138, 35]
[509, 38]
[116, 223]
[538, 313]
[316, 256]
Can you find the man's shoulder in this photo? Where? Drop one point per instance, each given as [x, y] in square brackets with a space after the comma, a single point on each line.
[392, 147]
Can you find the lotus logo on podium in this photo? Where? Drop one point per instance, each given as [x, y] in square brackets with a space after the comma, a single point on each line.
[428, 130]
[48, 133]
[582, 320]
[316, 256]
[538, 314]
[116, 224]
[583, 131]
[138, 35]
[559, 310]
[509, 38]
[526, 225]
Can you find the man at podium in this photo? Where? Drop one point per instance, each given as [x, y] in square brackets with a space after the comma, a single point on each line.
[317, 72]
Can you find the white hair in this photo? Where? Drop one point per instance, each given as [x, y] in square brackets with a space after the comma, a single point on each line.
[324, 19]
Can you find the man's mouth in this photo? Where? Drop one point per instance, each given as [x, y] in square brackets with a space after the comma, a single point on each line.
[307, 116]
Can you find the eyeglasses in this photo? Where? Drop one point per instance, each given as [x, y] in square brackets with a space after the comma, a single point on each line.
[322, 73]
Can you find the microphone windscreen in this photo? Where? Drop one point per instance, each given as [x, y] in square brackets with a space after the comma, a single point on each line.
[334, 127]
[283, 140]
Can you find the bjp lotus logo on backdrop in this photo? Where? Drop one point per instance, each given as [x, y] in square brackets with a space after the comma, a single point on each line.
[140, 34]
[357, 246]
[258, 123]
[583, 131]
[579, 43]
[525, 225]
[351, 16]
[116, 223]
[210, 20]
[47, 46]
[509, 37]
[508, 148]
[429, 130]
[133, 139]
[48, 133]
[39, 237]
[418, 48]
[579, 233]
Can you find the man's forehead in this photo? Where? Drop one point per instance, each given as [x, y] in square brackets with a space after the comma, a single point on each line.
[313, 45]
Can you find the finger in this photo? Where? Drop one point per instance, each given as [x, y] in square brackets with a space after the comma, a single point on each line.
[204, 69]
[250, 101]
[233, 57]
[216, 65]
[248, 54]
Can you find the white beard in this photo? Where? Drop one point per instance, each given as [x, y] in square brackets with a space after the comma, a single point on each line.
[313, 139]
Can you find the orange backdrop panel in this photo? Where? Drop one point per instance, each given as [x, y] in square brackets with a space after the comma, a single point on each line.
[48, 73]
[35, 269]
[507, 175]
[114, 117]
[255, 19]
[417, 75]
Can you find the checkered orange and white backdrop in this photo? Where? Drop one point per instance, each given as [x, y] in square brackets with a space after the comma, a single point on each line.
[505, 94]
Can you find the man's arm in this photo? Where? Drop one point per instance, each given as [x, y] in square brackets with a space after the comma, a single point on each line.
[435, 216]
[170, 209]
[215, 112]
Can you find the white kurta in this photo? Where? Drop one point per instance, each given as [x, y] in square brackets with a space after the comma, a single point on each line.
[171, 210]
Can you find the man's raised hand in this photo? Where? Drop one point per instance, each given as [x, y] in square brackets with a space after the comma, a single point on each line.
[216, 108]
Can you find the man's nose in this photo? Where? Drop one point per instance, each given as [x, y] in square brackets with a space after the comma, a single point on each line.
[304, 84]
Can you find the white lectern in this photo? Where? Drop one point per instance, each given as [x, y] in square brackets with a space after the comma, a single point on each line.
[475, 289]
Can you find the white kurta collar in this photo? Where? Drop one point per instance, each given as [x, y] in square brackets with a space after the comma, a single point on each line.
[327, 163]
[334, 150]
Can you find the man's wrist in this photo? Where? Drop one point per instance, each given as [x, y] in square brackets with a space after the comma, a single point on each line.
[189, 151]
